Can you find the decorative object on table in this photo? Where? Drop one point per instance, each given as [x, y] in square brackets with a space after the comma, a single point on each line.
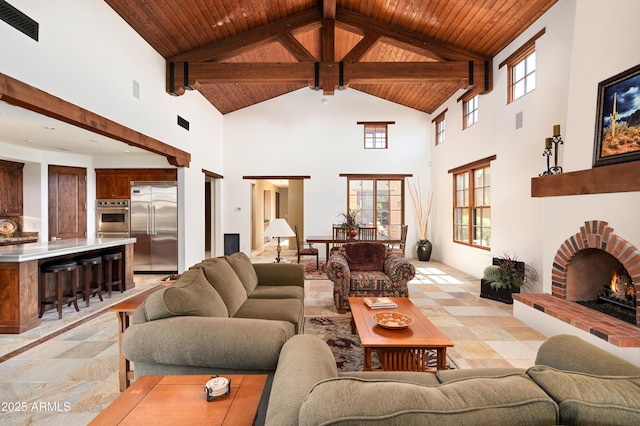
[380, 302]
[216, 387]
[7, 227]
[617, 134]
[549, 145]
[422, 212]
[279, 228]
[505, 276]
[350, 221]
[392, 320]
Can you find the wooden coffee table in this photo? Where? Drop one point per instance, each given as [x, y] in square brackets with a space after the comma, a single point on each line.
[181, 400]
[399, 350]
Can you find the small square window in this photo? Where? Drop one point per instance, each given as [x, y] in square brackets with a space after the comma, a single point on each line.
[376, 134]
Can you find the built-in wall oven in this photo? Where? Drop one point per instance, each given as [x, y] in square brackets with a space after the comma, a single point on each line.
[112, 218]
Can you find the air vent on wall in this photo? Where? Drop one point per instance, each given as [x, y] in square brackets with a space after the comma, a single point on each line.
[18, 20]
[183, 123]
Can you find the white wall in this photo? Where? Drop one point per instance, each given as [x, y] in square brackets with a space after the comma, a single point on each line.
[598, 52]
[517, 225]
[89, 56]
[298, 134]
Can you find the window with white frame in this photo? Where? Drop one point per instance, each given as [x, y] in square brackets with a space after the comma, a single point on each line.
[470, 108]
[521, 66]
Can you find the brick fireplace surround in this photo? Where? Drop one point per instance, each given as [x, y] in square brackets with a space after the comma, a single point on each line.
[594, 234]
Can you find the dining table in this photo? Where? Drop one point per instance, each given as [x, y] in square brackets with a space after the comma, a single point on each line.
[329, 239]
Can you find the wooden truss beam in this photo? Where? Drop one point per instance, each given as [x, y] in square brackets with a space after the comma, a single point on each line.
[465, 73]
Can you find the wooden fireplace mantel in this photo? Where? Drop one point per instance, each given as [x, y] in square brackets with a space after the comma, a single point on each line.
[624, 177]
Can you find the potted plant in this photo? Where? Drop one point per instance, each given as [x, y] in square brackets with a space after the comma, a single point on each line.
[505, 276]
[350, 221]
[422, 212]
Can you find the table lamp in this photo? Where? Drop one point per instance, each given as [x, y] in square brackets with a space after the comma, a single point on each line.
[279, 228]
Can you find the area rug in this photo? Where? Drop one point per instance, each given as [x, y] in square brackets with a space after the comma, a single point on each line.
[313, 273]
[346, 347]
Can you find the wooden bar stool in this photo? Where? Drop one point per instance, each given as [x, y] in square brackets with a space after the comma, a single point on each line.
[91, 267]
[113, 261]
[58, 268]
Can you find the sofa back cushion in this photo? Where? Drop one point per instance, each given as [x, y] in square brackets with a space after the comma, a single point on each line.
[590, 399]
[365, 256]
[222, 277]
[512, 399]
[191, 294]
[243, 268]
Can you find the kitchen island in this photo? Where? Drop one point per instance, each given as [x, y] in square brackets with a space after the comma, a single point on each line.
[20, 272]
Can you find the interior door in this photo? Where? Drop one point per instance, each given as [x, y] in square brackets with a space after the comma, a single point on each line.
[67, 202]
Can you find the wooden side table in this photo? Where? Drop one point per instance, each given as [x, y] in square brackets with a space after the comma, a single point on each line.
[181, 400]
[123, 310]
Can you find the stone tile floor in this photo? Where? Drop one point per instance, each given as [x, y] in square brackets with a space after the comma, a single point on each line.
[70, 378]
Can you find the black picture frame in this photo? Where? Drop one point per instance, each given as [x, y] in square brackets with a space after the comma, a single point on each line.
[621, 143]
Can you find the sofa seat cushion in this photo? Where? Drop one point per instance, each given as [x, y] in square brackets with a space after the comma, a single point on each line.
[224, 279]
[590, 399]
[241, 264]
[191, 294]
[444, 376]
[291, 310]
[513, 399]
[365, 256]
[277, 292]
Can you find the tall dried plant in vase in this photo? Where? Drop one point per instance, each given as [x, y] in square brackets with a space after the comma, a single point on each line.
[423, 213]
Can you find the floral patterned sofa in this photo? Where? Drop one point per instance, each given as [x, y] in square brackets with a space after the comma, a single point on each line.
[364, 269]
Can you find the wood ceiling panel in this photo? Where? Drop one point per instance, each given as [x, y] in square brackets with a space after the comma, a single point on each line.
[451, 29]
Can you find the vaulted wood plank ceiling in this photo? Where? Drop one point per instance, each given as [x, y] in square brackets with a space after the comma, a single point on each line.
[416, 53]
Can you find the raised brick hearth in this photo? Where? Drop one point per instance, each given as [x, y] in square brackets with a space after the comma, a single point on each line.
[595, 234]
[612, 330]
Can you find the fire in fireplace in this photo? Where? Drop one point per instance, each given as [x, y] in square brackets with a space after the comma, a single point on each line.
[617, 297]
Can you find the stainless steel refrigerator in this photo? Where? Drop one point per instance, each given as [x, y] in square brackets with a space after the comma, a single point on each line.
[154, 222]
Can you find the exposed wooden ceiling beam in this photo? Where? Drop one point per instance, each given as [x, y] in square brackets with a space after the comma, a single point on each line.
[297, 50]
[442, 50]
[23, 95]
[360, 49]
[328, 44]
[203, 73]
[248, 40]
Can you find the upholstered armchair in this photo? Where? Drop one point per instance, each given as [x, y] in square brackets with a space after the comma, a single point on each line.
[364, 269]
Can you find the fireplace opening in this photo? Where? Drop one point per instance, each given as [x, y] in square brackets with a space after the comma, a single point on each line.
[598, 280]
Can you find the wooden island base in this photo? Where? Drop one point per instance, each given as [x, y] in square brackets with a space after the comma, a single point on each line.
[20, 272]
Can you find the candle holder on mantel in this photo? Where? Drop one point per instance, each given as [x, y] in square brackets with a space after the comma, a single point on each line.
[552, 144]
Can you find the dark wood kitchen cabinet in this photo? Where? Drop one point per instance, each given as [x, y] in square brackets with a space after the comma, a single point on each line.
[11, 184]
[116, 183]
[112, 185]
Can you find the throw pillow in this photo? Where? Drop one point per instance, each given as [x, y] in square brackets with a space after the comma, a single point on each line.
[243, 268]
[365, 256]
[190, 295]
[223, 278]
[591, 399]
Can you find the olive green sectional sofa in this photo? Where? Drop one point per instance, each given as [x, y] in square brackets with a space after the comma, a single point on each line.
[224, 315]
[573, 382]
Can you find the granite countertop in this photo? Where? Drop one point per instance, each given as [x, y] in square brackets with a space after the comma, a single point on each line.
[47, 249]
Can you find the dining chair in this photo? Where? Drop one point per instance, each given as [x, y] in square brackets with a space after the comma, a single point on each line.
[306, 251]
[367, 234]
[403, 241]
[340, 238]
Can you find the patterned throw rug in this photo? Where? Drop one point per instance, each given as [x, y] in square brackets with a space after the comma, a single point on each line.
[313, 273]
[346, 347]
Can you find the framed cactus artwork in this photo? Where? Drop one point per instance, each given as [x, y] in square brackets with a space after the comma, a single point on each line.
[617, 136]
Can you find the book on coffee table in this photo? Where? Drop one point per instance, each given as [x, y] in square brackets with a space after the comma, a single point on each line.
[379, 302]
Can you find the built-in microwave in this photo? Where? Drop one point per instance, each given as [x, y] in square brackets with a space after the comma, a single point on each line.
[112, 218]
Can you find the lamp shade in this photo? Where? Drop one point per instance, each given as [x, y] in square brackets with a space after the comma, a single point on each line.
[279, 228]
